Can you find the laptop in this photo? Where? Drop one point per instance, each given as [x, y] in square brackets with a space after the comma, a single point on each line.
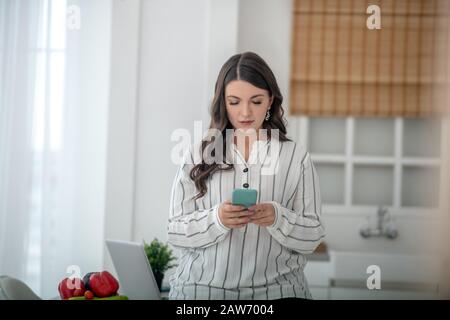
[136, 277]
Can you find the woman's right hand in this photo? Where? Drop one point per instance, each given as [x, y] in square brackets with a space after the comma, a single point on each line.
[233, 216]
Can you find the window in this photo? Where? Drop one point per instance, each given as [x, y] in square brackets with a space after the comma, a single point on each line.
[364, 163]
[369, 101]
[341, 68]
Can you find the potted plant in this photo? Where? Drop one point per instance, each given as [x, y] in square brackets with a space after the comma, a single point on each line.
[159, 255]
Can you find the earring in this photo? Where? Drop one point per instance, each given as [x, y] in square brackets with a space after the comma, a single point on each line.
[267, 115]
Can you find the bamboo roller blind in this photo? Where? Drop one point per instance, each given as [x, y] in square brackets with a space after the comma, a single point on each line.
[341, 68]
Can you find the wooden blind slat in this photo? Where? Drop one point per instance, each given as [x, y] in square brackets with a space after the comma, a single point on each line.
[342, 68]
[346, 7]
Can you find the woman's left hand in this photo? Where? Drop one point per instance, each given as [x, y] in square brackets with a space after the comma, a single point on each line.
[262, 214]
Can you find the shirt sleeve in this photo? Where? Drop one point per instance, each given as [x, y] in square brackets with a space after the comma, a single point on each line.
[189, 227]
[301, 229]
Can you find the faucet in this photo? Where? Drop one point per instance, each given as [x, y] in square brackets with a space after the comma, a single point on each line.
[382, 230]
[381, 213]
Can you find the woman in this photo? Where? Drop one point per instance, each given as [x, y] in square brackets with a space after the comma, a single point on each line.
[228, 251]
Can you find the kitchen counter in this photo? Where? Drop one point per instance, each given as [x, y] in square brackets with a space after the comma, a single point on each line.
[322, 256]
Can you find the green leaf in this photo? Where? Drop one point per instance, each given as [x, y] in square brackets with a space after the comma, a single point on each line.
[159, 255]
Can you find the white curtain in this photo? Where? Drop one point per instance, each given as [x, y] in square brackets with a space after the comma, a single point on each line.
[53, 113]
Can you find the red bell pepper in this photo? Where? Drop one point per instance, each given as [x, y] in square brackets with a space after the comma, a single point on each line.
[103, 284]
[69, 288]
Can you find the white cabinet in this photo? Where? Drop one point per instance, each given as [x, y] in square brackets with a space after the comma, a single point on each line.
[401, 276]
[318, 273]
[343, 276]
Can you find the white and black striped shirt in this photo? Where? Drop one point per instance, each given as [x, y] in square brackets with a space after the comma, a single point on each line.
[251, 262]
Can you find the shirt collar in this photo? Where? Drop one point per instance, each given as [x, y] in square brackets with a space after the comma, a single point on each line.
[257, 154]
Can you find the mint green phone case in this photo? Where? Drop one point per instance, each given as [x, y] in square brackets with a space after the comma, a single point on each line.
[244, 197]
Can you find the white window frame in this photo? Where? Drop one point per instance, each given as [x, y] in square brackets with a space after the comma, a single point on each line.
[300, 127]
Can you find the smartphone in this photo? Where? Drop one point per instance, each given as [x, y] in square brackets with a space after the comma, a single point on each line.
[244, 197]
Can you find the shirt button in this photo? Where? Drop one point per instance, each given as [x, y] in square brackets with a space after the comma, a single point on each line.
[246, 169]
[245, 185]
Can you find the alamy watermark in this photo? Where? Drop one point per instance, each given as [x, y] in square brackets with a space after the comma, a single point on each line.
[186, 152]
[374, 20]
[374, 280]
[74, 272]
[73, 17]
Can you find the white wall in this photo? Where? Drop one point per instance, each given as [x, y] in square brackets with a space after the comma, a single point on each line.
[119, 199]
[221, 42]
[182, 47]
[265, 27]
[93, 110]
[165, 57]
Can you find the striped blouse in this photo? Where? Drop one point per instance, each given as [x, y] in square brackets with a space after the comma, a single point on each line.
[252, 262]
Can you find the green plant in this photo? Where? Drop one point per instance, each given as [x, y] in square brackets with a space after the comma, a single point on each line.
[160, 256]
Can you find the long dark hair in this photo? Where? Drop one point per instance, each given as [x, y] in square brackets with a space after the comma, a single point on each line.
[250, 67]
